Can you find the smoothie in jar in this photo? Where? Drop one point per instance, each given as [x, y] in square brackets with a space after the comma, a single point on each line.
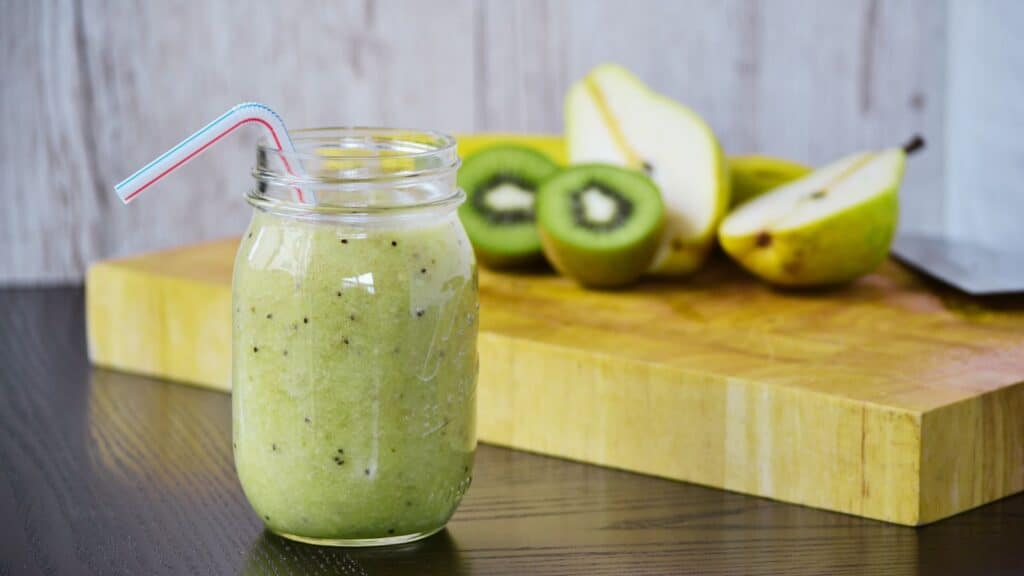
[354, 384]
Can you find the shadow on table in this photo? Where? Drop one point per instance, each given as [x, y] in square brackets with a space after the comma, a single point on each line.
[985, 540]
[271, 554]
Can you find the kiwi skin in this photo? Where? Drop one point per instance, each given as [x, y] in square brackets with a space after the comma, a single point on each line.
[600, 269]
[497, 261]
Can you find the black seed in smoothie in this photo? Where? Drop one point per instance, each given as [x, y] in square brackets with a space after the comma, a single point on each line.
[255, 348]
[305, 320]
[234, 445]
[273, 447]
[341, 450]
[367, 471]
[269, 316]
[391, 530]
[408, 502]
[250, 235]
[345, 340]
[339, 293]
[423, 270]
[252, 309]
[352, 317]
[307, 420]
[394, 243]
[267, 518]
[419, 312]
[285, 352]
[344, 240]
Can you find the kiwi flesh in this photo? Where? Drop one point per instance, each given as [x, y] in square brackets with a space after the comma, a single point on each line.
[500, 183]
[600, 224]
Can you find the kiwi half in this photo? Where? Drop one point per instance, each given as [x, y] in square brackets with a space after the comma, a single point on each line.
[501, 185]
[600, 224]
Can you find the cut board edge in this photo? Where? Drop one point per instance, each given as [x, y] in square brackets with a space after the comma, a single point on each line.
[825, 452]
[157, 325]
[972, 453]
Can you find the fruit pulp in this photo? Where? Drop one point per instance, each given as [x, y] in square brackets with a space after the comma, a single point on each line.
[354, 376]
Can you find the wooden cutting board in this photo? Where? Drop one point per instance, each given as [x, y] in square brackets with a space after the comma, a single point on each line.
[888, 399]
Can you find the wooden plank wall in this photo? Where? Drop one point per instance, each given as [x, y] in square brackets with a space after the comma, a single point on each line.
[92, 89]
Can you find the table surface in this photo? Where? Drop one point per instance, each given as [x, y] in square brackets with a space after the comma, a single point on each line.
[106, 473]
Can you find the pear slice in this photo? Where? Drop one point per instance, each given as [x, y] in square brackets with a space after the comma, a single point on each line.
[613, 117]
[829, 227]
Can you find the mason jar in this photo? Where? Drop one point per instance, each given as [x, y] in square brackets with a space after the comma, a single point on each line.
[354, 338]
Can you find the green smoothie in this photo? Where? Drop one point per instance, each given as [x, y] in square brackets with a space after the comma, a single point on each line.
[355, 366]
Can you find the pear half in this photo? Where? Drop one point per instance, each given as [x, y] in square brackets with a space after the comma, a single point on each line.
[829, 227]
[611, 116]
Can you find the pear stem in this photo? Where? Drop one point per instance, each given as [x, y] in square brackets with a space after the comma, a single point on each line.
[913, 145]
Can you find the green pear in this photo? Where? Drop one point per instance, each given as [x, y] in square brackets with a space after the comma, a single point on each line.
[613, 117]
[829, 227]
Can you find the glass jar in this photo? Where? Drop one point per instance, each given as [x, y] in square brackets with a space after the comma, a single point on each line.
[354, 343]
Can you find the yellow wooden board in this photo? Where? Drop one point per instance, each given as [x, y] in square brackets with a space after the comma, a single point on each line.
[891, 398]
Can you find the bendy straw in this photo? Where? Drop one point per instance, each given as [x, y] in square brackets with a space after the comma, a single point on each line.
[189, 148]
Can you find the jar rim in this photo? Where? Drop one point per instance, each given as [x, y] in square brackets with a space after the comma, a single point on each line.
[345, 170]
[430, 142]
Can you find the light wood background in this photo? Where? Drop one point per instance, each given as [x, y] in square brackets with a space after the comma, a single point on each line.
[92, 89]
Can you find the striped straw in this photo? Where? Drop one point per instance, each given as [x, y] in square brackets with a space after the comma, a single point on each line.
[189, 148]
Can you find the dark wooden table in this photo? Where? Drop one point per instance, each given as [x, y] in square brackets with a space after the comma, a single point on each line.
[105, 473]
